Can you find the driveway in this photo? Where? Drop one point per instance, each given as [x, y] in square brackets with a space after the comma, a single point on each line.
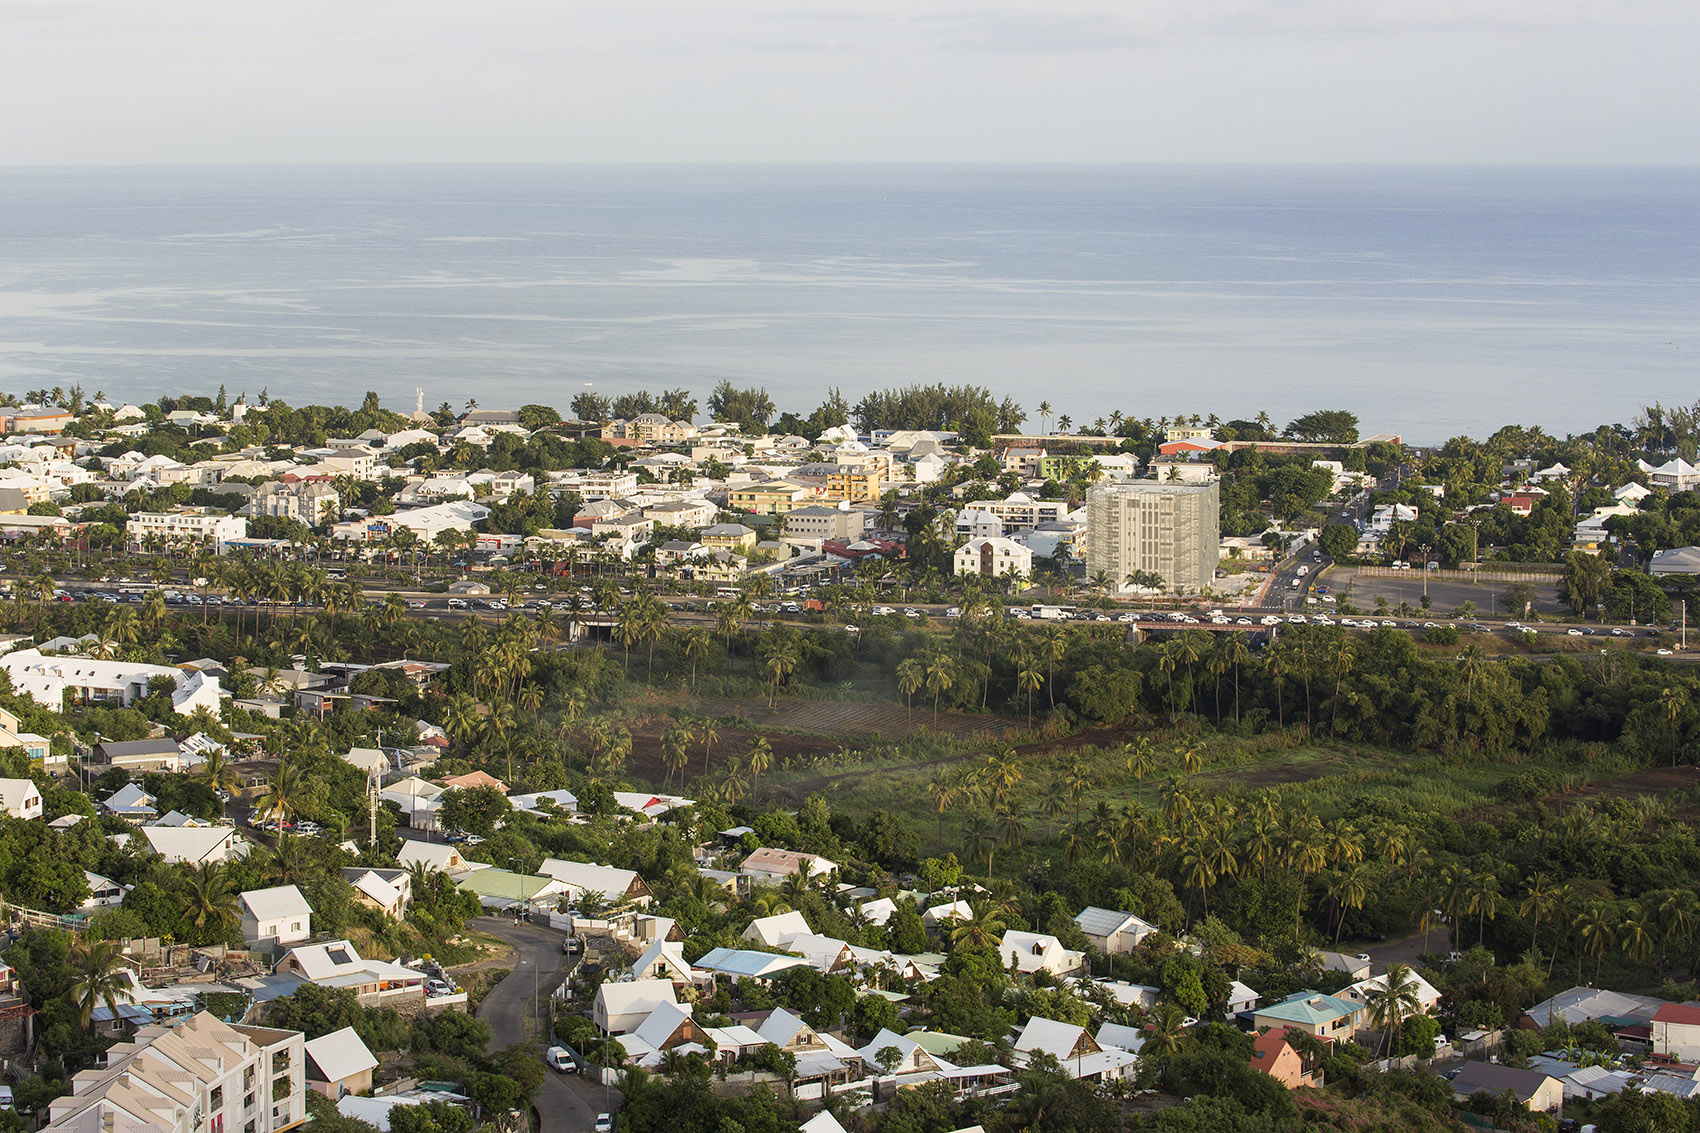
[566, 1103]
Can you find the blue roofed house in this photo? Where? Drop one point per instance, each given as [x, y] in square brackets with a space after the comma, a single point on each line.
[1325, 1016]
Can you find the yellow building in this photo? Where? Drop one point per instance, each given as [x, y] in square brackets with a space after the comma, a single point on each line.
[772, 497]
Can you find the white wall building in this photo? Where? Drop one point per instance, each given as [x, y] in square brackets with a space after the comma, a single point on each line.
[195, 1076]
[279, 915]
[191, 525]
[993, 558]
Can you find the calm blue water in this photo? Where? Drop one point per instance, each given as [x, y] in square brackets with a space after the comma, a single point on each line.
[1430, 301]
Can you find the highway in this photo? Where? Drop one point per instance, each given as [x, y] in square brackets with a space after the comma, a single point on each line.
[1282, 599]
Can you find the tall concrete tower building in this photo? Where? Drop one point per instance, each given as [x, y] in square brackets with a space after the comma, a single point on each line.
[1148, 525]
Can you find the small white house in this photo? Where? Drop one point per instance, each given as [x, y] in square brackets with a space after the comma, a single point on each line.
[279, 915]
[1111, 931]
[19, 798]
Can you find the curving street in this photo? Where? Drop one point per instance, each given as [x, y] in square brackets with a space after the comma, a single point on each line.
[566, 1103]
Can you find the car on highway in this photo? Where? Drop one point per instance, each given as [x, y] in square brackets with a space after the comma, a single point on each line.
[1573, 633]
[416, 604]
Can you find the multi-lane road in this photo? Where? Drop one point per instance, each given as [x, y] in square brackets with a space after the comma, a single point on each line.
[1285, 597]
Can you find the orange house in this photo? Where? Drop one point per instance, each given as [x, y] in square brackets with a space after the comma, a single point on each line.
[1276, 1057]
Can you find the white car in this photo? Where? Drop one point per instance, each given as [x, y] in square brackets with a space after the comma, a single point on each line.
[1272, 619]
[1572, 633]
[604, 1123]
[953, 612]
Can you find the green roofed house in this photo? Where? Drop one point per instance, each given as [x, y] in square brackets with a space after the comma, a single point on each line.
[501, 889]
[1325, 1016]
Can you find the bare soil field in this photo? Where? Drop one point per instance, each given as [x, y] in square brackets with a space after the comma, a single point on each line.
[850, 720]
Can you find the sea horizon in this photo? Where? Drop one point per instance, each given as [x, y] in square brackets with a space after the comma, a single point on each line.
[1429, 299]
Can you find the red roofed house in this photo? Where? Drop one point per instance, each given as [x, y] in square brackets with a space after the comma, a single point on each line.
[1676, 1032]
[1273, 1054]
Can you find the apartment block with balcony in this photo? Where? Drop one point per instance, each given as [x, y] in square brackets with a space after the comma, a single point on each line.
[197, 1075]
[1172, 530]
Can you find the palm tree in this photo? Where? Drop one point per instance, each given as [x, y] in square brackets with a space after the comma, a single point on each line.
[1594, 931]
[982, 927]
[1636, 932]
[1053, 804]
[1165, 1029]
[1537, 899]
[100, 979]
[281, 791]
[1393, 1001]
[1348, 889]
[980, 840]
[1028, 679]
[941, 676]
[209, 902]
[1484, 902]
[758, 757]
[709, 733]
[1671, 703]
[1014, 829]
[216, 772]
[911, 678]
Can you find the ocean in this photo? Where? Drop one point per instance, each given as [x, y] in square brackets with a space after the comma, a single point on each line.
[1430, 301]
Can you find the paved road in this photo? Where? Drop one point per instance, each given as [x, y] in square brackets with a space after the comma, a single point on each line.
[566, 1103]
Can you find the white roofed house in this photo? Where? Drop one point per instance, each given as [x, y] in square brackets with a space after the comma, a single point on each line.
[436, 857]
[1036, 951]
[279, 915]
[621, 1007]
[775, 930]
[20, 798]
[390, 891]
[616, 886]
[337, 963]
[1111, 931]
[339, 1063]
[195, 845]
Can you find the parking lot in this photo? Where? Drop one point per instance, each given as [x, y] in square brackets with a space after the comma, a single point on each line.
[1445, 595]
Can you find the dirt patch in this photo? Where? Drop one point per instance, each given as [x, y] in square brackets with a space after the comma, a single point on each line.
[1655, 781]
[851, 720]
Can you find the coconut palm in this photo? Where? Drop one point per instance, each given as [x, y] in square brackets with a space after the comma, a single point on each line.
[1393, 1001]
[209, 902]
[100, 979]
[980, 840]
[1595, 932]
[983, 926]
[282, 789]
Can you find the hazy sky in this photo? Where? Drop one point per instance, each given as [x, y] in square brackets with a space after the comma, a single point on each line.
[1579, 81]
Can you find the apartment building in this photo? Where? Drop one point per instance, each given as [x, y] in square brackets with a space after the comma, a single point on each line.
[1172, 530]
[309, 501]
[198, 1075]
[819, 522]
[840, 482]
[773, 497]
[187, 525]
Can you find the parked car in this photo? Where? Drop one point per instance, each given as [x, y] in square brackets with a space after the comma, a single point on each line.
[558, 1058]
[435, 987]
[604, 1123]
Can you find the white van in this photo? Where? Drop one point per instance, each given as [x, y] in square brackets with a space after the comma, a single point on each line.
[558, 1058]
